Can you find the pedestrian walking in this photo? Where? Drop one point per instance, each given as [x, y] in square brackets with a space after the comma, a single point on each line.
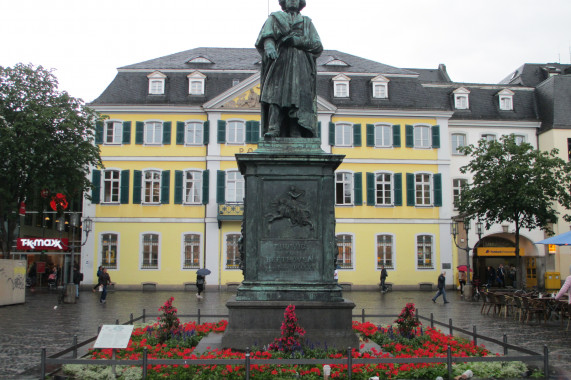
[462, 280]
[566, 288]
[491, 276]
[104, 281]
[77, 278]
[441, 288]
[200, 281]
[99, 271]
[384, 276]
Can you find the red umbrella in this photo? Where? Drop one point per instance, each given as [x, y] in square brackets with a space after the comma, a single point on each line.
[463, 268]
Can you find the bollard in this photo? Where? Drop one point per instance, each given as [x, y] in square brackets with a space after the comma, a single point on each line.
[449, 361]
[43, 365]
[247, 363]
[505, 344]
[74, 347]
[198, 316]
[417, 316]
[143, 315]
[349, 363]
[450, 326]
[131, 319]
[144, 363]
[99, 330]
[362, 315]
[545, 362]
[475, 335]
[116, 321]
[432, 320]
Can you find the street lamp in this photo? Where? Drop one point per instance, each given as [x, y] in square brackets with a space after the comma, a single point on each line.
[87, 228]
[467, 248]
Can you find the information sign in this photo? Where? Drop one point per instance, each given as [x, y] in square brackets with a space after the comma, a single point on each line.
[114, 336]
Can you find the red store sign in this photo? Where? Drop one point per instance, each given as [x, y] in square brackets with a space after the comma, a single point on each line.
[42, 244]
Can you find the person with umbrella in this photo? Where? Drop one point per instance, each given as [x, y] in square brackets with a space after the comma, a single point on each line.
[201, 280]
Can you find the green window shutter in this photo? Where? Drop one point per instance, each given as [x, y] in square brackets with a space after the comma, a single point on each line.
[397, 189]
[167, 133]
[318, 129]
[139, 133]
[437, 178]
[332, 134]
[370, 135]
[180, 132]
[435, 136]
[178, 187]
[124, 187]
[252, 132]
[126, 132]
[248, 132]
[410, 199]
[396, 135]
[96, 189]
[205, 187]
[356, 134]
[99, 132]
[165, 186]
[137, 182]
[256, 131]
[358, 188]
[206, 132]
[220, 187]
[371, 201]
[409, 139]
[221, 131]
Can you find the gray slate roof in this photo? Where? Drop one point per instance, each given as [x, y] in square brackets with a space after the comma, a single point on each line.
[532, 74]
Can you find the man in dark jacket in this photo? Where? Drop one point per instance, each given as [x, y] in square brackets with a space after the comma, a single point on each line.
[104, 280]
[384, 276]
[441, 288]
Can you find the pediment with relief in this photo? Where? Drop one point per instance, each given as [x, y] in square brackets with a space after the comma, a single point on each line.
[249, 99]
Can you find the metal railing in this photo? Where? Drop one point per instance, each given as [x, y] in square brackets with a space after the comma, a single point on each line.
[144, 362]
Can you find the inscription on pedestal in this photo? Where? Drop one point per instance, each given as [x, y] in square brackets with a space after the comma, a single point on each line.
[290, 260]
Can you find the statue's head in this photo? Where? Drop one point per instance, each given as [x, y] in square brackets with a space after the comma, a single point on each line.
[283, 4]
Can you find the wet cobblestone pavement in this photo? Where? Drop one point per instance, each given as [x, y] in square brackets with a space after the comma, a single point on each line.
[28, 327]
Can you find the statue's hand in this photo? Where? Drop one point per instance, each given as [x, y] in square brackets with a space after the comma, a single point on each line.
[271, 52]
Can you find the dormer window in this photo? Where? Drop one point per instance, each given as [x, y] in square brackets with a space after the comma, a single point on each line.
[196, 83]
[341, 86]
[506, 100]
[200, 60]
[380, 87]
[461, 98]
[157, 83]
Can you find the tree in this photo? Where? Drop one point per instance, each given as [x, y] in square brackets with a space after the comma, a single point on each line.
[46, 142]
[515, 183]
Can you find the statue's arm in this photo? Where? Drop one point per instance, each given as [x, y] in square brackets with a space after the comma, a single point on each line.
[270, 48]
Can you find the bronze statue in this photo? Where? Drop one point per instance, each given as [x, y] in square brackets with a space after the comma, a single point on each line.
[289, 45]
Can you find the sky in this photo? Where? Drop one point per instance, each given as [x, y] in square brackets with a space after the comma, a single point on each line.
[479, 41]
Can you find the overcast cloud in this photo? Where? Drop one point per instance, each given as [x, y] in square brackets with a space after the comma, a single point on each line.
[480, 41]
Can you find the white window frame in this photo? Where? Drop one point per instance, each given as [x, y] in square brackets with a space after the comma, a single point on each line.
[422, 136]
[193, 132]
[149, 200]
[114, 187]
[380, 87]
[343, 134]
[142, 252]
[457, 144]
[384, 184]
[423, 256]
[488, 136]
[519, 139]
[346, 183]
[234, 187]
[116, 134]
[195, 188]
[196, 83]
[103, 246]
[351, 245]
[341, 86]
[157, 83]
[393, 252]
[505, 98]
[383, 135]
[236, 132]
[457, 184]
[153, 132]
[236, 258]
[423, 187]
[183, 245]
[461, 98]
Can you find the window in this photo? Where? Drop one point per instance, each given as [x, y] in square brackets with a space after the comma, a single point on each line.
[341, 86]
[424, 248]
[152, 187]
[385, 251]
[489, 137]
[196, 82]
[423, 189]
[506, 99]
[191, 253]
[422, 134]
[343, 134]
[383, 136]
[153, 132]
[235, 132]
[461, 100]
[192, 187]
[232, 251]
[193, 133]
[380, 87]
[458, 141]
[156, 83]
[113, 132]
[457, 185]
[234, 187]
[384, 189]
[569, 149]
[111, 182]
[344, 188]
[345, 251]
[109, 250]
[150, 259]
[519, 139]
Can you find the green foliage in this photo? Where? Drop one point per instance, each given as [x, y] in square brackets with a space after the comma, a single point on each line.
[168, 322]
[497, 370]
[406, 321]
[46, 140]
[99, 372]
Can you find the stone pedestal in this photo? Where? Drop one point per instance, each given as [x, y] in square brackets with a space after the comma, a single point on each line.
[69, 296]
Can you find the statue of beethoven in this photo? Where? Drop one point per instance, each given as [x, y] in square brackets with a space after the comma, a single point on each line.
[289, 45]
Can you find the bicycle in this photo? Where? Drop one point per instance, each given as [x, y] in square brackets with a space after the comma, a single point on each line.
[478, 289]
